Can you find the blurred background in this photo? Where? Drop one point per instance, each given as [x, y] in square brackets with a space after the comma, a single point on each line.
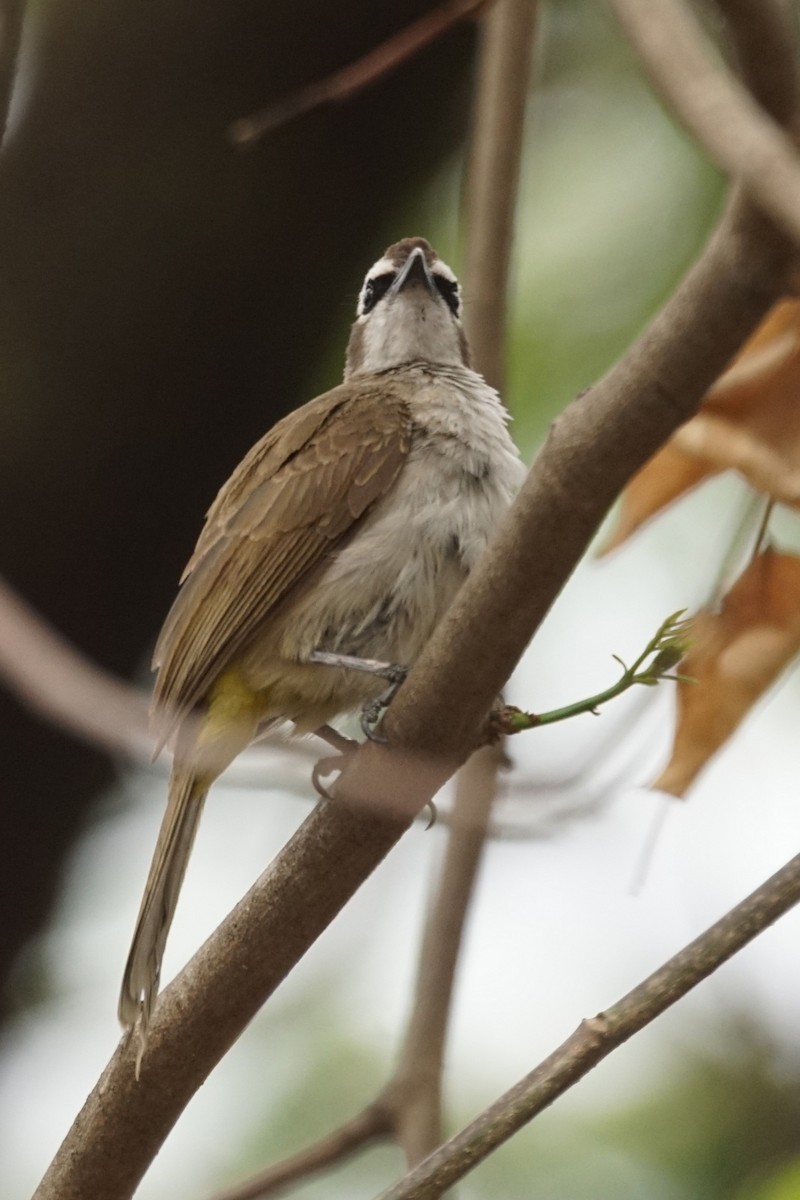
[163, 300]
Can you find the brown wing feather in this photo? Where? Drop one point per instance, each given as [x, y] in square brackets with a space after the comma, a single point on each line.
[290, 501]
[277, 447]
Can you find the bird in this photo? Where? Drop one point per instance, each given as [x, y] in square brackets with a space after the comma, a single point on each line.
[325, 562]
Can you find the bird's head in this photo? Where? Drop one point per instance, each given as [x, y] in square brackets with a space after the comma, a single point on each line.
[409, 311]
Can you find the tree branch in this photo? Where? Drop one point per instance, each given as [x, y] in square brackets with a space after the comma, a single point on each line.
[595, 1038]
[718, 110]
[50, 676]
[499, 114]
[762, 42]
[372, 1124]
[670, 644]
[593, 449]
[415, 1092]
[598, 443]
[54, 680]
[12, 14]
[408, 1107]
[350, 80]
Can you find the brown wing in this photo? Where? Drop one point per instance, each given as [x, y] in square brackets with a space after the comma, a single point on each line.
[289, 502]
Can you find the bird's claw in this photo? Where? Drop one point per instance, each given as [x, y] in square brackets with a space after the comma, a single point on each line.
[325, 766]
[371, 715]
[373, 711]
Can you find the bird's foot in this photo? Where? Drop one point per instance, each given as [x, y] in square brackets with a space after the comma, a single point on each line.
[344, 747]
[373, 710]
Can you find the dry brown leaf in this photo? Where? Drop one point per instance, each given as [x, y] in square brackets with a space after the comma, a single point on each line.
[749, 422]
[736, 654]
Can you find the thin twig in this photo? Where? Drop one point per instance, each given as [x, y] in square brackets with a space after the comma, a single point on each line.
[12, 15]
[718, 110]
[647, 853]
[594, 1039]
[344, 84]
[758, 544]
[415, 1092]
[595, 447]
[739, 537]
[53, 679]
[496, 151]
[372, 1124]
[665, 650]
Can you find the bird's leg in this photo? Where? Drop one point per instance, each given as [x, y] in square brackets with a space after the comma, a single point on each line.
[351, 662]
[334, 762]
[373, 710]
[337, 741]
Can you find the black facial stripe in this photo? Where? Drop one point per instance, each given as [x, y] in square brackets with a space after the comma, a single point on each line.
[374, 289]
[448, 290]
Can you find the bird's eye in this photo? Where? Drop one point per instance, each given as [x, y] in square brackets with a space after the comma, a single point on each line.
[374, 289]
[448, 290]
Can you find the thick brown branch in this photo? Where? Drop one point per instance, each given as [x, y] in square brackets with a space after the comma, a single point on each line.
[352, 79]
[408, 1108]
[593, 449]
[594, 1039]
[124, 1121]
[368, 1126]
[601, 440]
[733, 129]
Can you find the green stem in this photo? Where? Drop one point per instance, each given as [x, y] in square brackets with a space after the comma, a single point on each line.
[590, 705]
[667, 648]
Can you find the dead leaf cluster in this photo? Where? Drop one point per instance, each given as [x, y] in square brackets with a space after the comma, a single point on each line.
[749, 422]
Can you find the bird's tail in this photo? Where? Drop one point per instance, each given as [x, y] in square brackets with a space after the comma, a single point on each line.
[187, 791]
[202, 752]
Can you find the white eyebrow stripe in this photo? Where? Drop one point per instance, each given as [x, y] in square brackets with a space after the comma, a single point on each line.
[441, 268]
[384, 266]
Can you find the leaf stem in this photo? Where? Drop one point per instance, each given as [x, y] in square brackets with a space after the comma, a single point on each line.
[664, 650]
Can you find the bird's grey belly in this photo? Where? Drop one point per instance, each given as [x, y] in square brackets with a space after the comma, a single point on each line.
[382, 596]
[385, 591]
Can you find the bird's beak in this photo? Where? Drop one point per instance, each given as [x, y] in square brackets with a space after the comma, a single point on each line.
[415, 270]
